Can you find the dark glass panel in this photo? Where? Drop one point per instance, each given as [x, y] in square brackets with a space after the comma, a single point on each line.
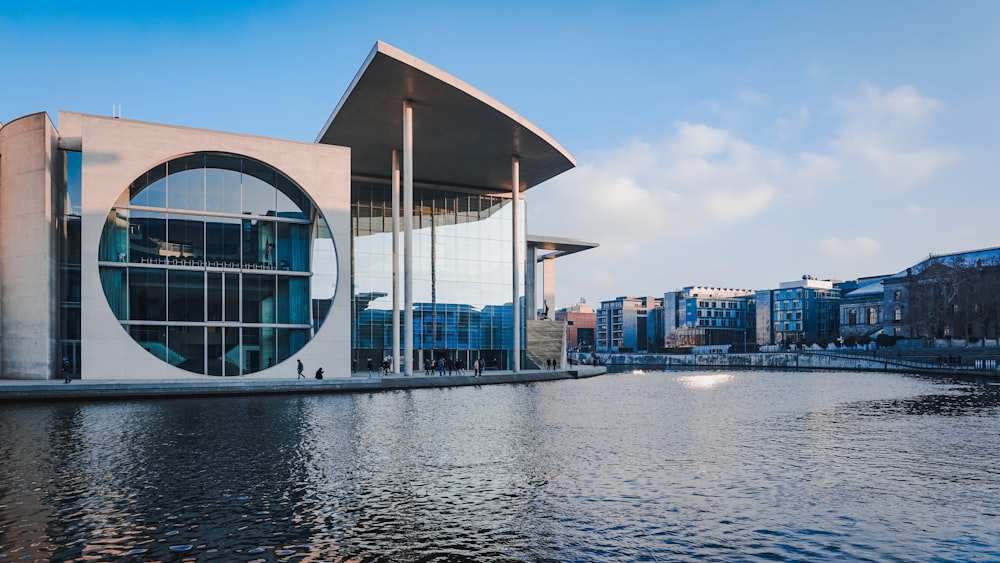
[113, 282]
[69, 323]
[214, 350]
[231, 306]
[258, 298]
[147, 237]
[290, 341]
[222, 242]
[258, 244]
[114, 238]
[152, 338]
[186, 291]
[185, 239]
[71, 243]
[233, 351]
[187, 347]
[251, 350]
[293, 243]
[147, 290]
[214, 297]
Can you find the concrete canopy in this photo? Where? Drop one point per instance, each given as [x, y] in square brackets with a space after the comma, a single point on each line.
[558, 246]
[461, 136]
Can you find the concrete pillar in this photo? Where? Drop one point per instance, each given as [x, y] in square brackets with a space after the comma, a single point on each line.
[515, 190]
[408, 235]
[549, 285]
[530, 291]
[395, 261]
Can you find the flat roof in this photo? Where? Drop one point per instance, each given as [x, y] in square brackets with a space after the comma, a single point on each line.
[558, 246]
[461, 136]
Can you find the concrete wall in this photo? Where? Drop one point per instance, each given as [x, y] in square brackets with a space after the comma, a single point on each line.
[29, 262]
[117, 151]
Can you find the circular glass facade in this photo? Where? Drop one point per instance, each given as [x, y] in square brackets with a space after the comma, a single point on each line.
[218, 264]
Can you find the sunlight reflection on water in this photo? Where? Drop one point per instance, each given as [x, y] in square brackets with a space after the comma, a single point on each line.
[704, 381]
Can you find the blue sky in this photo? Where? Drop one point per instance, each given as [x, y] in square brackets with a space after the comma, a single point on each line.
[728, 144]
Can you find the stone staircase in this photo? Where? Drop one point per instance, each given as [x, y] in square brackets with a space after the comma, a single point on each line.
[546, 340]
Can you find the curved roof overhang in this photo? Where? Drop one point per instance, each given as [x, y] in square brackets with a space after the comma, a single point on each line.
[557, 246]
[461, 136]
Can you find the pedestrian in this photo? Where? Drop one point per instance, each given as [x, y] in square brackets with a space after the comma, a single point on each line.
[475, 367]
[300, 368]
[427, 366]
[319, 373]
[441, 367]
[65, 369]
[369, 368]
[451, 366]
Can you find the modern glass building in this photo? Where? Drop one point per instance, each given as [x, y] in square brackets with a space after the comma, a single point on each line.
[136, 250]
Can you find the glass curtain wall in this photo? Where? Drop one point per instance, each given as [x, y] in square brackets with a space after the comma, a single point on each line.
[461, 280]
[207, 261]
[69, 265]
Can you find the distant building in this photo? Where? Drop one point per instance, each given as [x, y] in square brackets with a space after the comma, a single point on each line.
[621, 323]
[861, 307]
[581, 326]
[709, 316]
[799, 311]
[946, 296]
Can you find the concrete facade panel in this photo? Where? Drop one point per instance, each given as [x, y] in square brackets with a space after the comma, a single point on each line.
[116, 151]
[28, 248]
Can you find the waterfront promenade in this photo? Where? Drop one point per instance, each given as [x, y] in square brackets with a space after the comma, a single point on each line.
[22, 390]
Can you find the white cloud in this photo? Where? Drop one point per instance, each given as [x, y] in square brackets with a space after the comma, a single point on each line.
[914, 210]
[882, 130]
[850, 249]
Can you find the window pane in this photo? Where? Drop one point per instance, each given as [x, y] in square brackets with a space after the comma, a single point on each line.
[187, 296]
[152, 338]
[222, 242]
[186, 183]
[147, 289]
[185, 239]
[222, 184]
[187, 347]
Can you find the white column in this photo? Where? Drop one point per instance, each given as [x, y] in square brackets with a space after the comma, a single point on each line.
[549, 285]
[515, 193]
[408, 235]
[395, 261]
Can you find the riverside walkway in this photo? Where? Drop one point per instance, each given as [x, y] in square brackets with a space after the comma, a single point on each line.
[91, 389]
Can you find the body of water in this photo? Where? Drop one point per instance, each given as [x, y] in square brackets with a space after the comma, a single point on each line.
[659, 466]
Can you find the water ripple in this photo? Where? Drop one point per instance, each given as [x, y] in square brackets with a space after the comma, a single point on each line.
[634, 467]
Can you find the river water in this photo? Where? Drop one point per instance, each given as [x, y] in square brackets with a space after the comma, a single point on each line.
[659, 466]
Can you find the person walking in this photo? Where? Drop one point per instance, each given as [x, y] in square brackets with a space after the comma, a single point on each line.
[441, 367]
[369, 368]
[300, 368]
[475, 367]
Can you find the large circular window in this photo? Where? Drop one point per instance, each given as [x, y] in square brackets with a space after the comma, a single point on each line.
[218, 264]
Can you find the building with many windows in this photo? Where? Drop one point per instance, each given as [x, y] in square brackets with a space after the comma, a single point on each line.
[142, 250]
[709, 316]
[800, 311]
[621, 323]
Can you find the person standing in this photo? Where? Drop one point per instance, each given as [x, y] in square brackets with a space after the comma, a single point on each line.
[369, 368]
[300, 368]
